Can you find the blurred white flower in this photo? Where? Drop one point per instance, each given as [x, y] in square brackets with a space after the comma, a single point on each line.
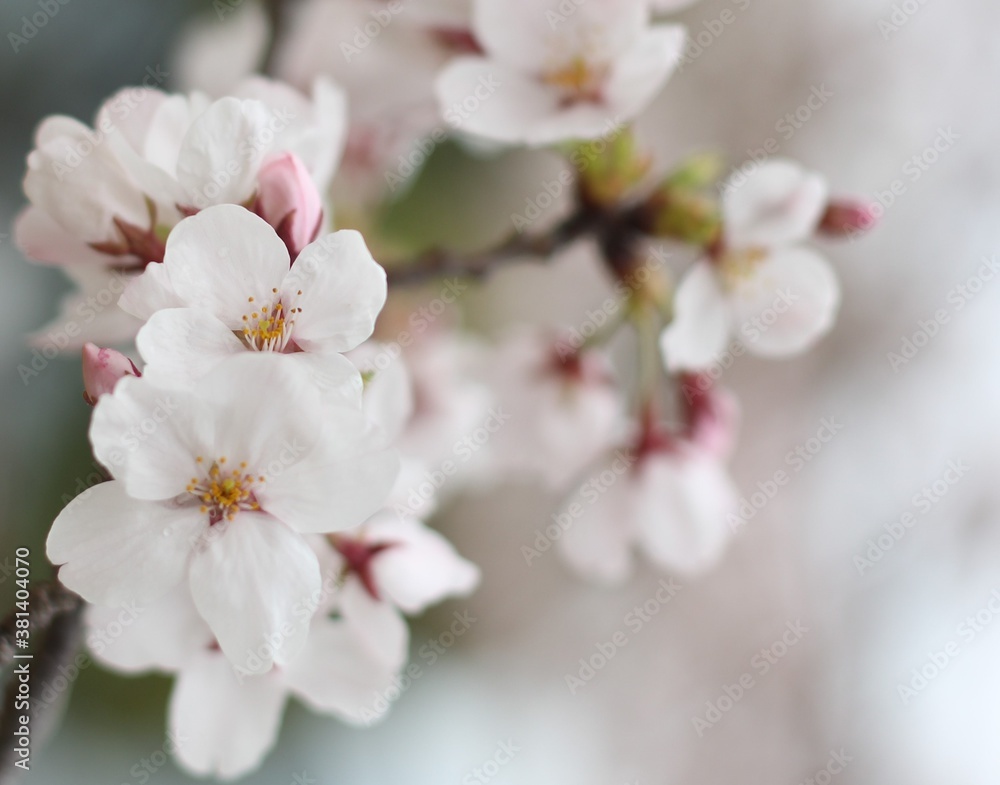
[222, 723]
[777, 297]
[225, 287]
[565, 406]
[554, 71]
[215, 485]
[668, 495]
[394, 566]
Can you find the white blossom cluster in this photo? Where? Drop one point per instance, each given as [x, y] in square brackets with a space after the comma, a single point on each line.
[274, 455]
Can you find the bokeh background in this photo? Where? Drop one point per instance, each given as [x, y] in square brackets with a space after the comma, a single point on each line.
[892, 91]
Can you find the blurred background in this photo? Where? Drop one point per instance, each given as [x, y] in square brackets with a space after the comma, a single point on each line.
[897, 78]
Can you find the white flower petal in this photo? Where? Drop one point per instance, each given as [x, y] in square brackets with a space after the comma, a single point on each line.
[163, 635]
[787, 304]
[223, 150]
[342, 291]
[641, 72]
[220, 258]
[776, 204]
[220, 726]
[149, 292]
[388, 391]
[44, 240]
[420, 568]
[376, 623]
[180, 345]
[336, 378]
[597, 543]
[681, 503]
[147, 436]
[115, 550]
[253, 583]
[335, 673]
[701, 324]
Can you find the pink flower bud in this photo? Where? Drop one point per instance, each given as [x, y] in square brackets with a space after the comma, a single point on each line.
[287, 199]
[847, 219]
[711, 415]
[102, 368]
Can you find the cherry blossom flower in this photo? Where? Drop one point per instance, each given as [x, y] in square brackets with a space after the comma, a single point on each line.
[760, 285]
[215, 485]
[558, 74]
[222, 722]
[226, 287]
[104, 199]
[668, 494]
[394, 566]
[566, 406]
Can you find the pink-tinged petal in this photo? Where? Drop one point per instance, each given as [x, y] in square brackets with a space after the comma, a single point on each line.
[45, 241]
[83, 193]
[420, 567]
[776, 204]
[168, 127]
[339, 487]
[181, 345]
[336, 673]
[223, 256]
[681, 502]
[102, 370]
[641, 72]
[789, 303]
[149, 292]
[342, 291]
[701, 325]
[288, 200]
[264, 410]
[377, 624]
[116, 550]
[222, 726]
[148, 437]
[164, 635]
[712, 416]
[597, 543]
[253, 582]
[223, 150]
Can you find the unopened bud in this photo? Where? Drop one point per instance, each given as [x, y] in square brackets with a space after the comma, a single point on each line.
[287, 199]
[102, 370]
[847, 219]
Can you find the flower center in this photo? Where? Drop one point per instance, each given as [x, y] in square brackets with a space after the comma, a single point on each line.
[269, 327]
[223, 493]
[739, 266]
[579, 80]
